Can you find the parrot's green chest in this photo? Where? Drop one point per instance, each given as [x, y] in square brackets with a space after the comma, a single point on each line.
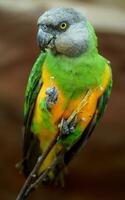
[75, 76]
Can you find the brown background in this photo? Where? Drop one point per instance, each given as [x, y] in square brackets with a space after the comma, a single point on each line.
[98, 172]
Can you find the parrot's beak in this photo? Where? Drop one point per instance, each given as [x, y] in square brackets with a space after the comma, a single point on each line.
[44, 39]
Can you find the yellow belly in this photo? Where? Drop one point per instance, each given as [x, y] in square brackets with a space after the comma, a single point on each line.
[58, 111]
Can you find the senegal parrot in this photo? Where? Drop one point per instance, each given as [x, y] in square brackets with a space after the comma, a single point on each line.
[67, 90]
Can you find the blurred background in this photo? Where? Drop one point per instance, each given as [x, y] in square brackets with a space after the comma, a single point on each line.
[98, 172]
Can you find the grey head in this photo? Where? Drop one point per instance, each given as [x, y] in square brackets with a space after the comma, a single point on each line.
[64, 31]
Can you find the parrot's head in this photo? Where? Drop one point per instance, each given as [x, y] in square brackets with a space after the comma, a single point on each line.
[64, 31]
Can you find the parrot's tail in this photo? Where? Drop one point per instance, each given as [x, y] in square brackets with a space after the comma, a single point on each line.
[57, 170]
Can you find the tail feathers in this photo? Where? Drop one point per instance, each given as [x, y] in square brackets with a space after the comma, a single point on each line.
[23, 167]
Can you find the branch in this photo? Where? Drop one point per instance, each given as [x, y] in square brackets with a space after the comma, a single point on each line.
[39, 180]
[33, 174]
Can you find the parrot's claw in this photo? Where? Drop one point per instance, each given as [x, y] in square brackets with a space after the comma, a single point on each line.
[65, 128]
[52, 97]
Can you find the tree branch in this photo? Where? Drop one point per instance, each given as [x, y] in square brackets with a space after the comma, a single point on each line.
[39, 180]
[33, 174]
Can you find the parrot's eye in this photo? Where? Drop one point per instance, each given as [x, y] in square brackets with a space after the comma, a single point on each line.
[63, 26]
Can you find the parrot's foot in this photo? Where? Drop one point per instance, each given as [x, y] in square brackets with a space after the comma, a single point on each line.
[52, 97]
[65, 128]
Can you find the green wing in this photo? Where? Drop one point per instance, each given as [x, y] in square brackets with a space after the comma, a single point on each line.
[33, 86]
[101, 105]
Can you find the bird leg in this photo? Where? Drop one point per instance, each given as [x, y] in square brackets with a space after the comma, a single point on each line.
[67, 128]
[52, 95]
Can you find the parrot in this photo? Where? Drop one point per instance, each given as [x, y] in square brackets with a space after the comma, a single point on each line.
[67, 90]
